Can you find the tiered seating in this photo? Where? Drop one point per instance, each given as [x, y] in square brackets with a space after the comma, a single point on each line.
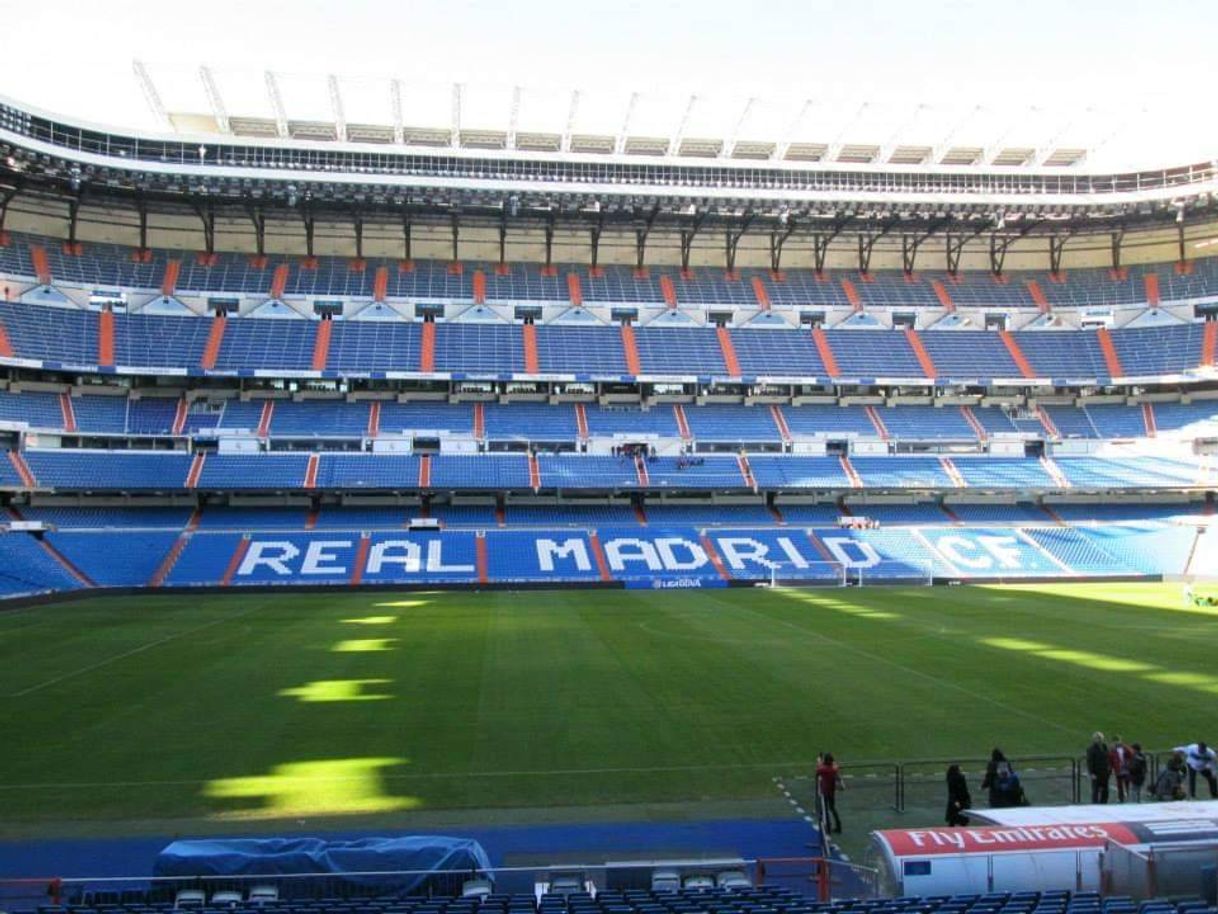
[1150, 472]
[266, 343]
[109, 517]
[591, 472]
[1159, 350]
[1071, 422]
[678, 351]
[1114, 420]
[1076, 551]
[129, 560]
[777, 353]
[368, 471]
[426, 416]
[1003, 473]
[171, 342]
[609, 420]
[1015, 514]
[530, 422]
[874, 354]
[969, 354]
[828, 420]
[926, 423]
[450, 515]
[1063, 353]
[699, 473]
[100, 415]
[1198, 419]
[725, 423]
[581, 350]
[151, 415]
[902, 472]
[88, 470]
[52, 334]
[27, 568]
[482, 472]
[358, 345]
[573, 515]
[255, 471]
[320, 418]
[495, 348]
[38, 410]
[798, 472]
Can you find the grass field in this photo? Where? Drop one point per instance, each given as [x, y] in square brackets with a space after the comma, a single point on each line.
[257, 706]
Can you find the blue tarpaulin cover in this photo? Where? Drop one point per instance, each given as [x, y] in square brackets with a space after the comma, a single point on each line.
[422, 855]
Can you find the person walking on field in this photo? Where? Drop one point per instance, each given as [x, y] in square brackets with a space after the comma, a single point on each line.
[958, 798]
[1002, 782]
[1119, 757]
[1099, 767]
[1201, 759]
[828, 780]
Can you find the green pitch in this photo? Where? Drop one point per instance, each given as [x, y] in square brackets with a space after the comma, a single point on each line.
[254, 706]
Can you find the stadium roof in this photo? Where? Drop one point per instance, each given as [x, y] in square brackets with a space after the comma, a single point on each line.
[1106, 87]
[825, 130]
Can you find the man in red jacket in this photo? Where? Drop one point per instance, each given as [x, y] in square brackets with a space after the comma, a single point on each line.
[828, 780]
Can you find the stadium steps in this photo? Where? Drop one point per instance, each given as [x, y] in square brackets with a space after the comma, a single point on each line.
[171, 559]
[6, 347]
[598, 556]
[852, 294]
[1111, 359]
[481, 559]
[169, 279]
[321, 345]
[105, 339]
[279, 281]
[427, 347]
[42, 266]
[532, 364]
[781, 422]
[924, 359]
[215, 338]
[23, 469]
[65, 563]
[479, 287]
[729, 352]
[1148, 418]
[826, 352]
[264, 421]
[945, 297]
[581, 422]
[1150, 284]
[374, 418]
[1038, 296]
[971, 418]
[575, 294]
[1017, 356]
[631, 349]
[68, 412]
[380, 284]
[761, 293]
[1209, 343]
[880, 428]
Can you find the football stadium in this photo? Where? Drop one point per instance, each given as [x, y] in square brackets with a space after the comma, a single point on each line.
[510, 487]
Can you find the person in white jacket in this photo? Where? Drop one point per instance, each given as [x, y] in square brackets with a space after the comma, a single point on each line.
[1201, 759]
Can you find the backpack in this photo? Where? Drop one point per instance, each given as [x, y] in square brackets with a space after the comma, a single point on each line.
[1005, 778]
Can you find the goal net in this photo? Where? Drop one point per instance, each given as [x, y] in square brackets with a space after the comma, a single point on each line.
[808, 574]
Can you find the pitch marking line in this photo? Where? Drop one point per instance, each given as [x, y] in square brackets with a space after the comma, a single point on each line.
[131, 653]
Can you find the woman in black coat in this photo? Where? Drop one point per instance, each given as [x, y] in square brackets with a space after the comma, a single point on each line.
[958, 798]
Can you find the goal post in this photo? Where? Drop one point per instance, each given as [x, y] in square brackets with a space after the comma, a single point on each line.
[808, 574]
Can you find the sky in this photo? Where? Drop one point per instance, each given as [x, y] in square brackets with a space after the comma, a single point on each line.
[1097, 68]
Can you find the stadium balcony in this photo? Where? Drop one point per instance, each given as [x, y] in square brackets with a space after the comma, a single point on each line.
[67, 335]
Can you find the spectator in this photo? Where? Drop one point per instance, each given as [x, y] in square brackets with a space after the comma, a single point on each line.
[1118, 760]
[1138, 765]
[1002, 782]
[1098, 767]
[958, 798]
[828, 780]
[1201, 759]
[1170, 783]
